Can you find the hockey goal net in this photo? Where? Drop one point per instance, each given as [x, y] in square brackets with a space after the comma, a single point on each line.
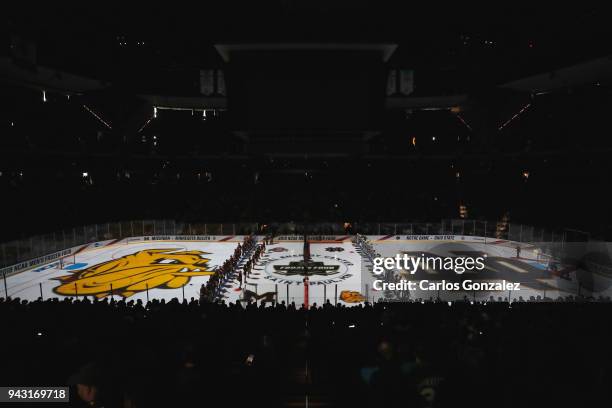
[66, 261]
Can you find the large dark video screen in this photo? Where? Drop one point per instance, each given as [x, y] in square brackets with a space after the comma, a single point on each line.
[306, 90]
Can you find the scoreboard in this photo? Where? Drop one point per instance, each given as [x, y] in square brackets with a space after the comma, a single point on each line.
[306, 90]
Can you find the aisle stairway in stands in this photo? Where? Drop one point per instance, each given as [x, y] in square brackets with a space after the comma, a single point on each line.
[308, 384]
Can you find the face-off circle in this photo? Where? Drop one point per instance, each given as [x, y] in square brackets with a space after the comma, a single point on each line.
[291, 269]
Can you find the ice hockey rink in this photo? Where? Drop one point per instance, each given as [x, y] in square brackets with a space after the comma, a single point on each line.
[339, 271]
[134, 269]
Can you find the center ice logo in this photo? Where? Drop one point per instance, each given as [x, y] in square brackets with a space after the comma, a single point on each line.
[291, 269]
[130, 274]
[306, 268]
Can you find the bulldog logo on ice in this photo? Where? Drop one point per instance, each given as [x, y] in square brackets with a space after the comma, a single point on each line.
[153, 268]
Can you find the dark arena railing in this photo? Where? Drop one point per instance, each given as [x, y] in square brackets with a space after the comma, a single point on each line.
[44, 248]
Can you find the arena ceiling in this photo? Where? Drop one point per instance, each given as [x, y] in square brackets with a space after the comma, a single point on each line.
[462, 45]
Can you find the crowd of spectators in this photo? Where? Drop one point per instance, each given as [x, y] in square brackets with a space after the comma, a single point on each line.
[130, 354]
[180, 166]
